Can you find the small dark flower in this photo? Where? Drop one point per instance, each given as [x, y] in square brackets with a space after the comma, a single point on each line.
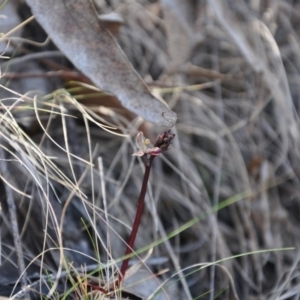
[162, 144]
[164, 140]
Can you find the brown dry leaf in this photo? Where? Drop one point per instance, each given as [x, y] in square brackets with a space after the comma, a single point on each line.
[74, 28]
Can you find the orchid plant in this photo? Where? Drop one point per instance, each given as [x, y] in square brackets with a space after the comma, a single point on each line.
[147, 152]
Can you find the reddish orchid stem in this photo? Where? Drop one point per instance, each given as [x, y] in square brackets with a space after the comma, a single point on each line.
[137, 220]
[98, 288]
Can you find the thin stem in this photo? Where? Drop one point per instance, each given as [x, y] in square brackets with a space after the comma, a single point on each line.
[14, 221]
[137, 220]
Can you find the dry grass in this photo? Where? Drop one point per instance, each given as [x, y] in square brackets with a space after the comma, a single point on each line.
[75, 185]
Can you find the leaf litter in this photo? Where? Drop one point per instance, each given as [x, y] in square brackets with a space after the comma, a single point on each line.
[237, 140]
